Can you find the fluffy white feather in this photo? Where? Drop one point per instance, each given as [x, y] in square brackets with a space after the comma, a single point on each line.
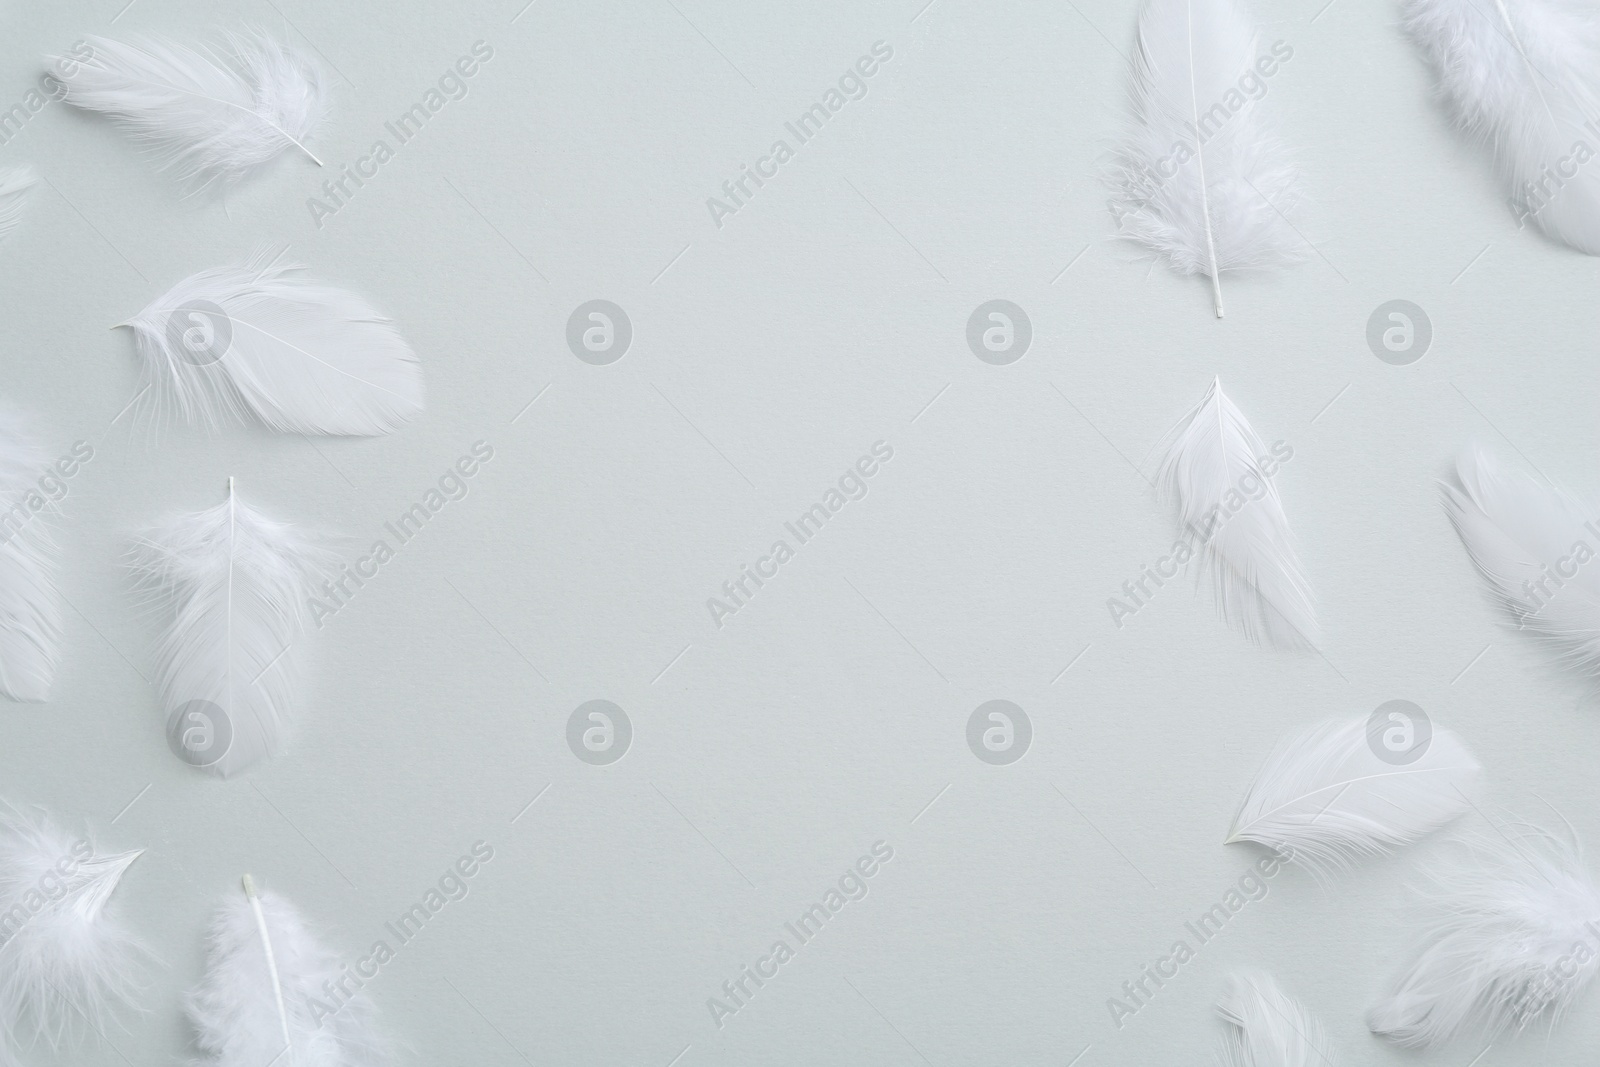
[16, 183]
[232, 584]
[30, 606]
[1326, 797]
[1267, 1028]
[1523, 76]
[259, 342]
[1509, 938]
[1200, 179]
[66, 960]
[1535, 547]
[265, 997]
[1229, 507]
[212, 112]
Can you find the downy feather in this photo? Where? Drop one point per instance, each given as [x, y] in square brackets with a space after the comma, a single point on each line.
[16, 183]
[265, 996]
[1267, 1028]
[260, 343]
[1326, 797]
[1230, 509]
[211, 112]
[231, 583]
[1200, 180]
[30, 605]
[1509, 937]
[1522, 77]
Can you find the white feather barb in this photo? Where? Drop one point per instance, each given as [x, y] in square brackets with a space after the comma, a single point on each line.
[1510, 936]
[258, 342]
[30, 605]
[16, 183]
[1267, 1028]
[265, 996]
[1200, 180]
[211, 113]
[1522, 77]
[232, 585]
[1216, 473]
[1328, 798]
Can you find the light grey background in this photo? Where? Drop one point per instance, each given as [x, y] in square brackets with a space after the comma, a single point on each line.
[768, 355]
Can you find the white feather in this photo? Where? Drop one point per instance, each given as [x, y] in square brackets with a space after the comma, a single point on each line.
[30, 605]
[232, 584]
[1522, 76]
[1267, 1028]
[259, 342]
[265, 997]
[1509, 937]
[1212, 466]
[66, 961]
[1325, 797]
[16, 183]
[1201, 183]
[212, 113]
[1521, 535]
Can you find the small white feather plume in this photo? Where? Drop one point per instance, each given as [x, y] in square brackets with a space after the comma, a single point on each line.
[1523, 76]
[16, 183]
[1216, 473]
[211, 113]
[30, 605]
[66, 960]
[265, 997]
[233, 585]
[1200, 179]
[1510, 937]
[1267, 1028]
[1536, 548]
[258, 342]
[1327, 797]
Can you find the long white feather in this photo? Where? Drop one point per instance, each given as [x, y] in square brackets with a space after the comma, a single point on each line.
[210, 112]
[1327, 798]
[16, 183]
[1200, 179]
[232, 584]
[1523, 76]
[1213, 473]
[266, 994]
[1537, 549]
[1267, 1028]
[258, 342]
[1509, 937]
[30, 605]
[67, 962]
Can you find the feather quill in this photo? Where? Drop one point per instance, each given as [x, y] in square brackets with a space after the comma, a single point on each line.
[1327, 798]
[211, 113]
[1523, 76]
[1200, 179]
[1212, 473]
[30, 605]
[231, 583]
[257, 342]
[264, 999]
[16, 183]
[1267, 1028]
[1509, 937]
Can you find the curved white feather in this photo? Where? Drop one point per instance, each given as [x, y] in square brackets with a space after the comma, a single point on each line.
[259, 342]
[1536, 548]
[1511, 936]
[1267, 1028]
[1523, 76]
[1213, 472]
[16, 183]
[30, 605]
[232, 583]
[1326, 796]
[1200, 180]
[212, 113]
